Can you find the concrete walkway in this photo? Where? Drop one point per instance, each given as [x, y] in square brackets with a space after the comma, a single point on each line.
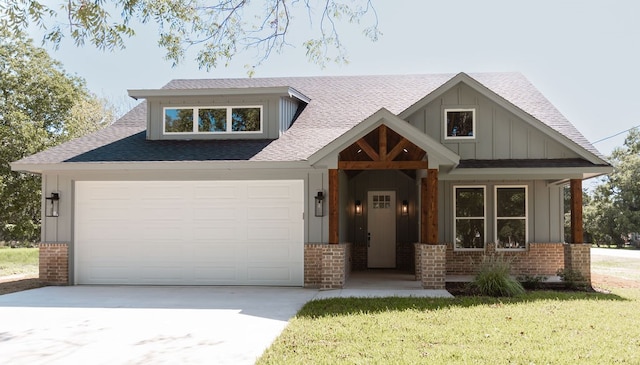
[160, 325]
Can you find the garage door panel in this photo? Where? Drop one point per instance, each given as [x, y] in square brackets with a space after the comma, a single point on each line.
[220, 275]
[269, 274]
[200, 233]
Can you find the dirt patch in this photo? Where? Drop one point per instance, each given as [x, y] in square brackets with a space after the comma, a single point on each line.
[12, 284]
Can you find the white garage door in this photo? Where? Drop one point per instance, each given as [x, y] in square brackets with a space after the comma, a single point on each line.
[189, 232]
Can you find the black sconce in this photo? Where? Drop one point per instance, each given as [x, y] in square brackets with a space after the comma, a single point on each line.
[319, 207]
[358, 207]
[52, 207]
[405, 207]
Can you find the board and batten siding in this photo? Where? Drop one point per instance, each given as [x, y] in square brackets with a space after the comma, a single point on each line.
[288, 109]
[499, 134]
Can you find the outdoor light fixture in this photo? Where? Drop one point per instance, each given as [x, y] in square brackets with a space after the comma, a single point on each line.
[53, 205]
[358, 207]
[405, 207]
[319, 204]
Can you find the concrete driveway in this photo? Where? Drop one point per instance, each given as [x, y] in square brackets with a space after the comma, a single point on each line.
[144, 325]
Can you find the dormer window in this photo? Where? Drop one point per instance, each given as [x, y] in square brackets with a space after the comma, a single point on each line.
[220, 120]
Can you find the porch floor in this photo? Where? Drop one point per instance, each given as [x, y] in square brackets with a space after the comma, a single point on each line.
[392, 283]
[382, 283]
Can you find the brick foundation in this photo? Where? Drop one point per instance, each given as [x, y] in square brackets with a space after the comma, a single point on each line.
[326, 266]
[54, 263]
[577, 257]
[538, 259]
[431, 265]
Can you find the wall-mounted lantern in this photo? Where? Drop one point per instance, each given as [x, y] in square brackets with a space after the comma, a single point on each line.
[405, 207]
[358, 207]
[319, 206]
[52, 207]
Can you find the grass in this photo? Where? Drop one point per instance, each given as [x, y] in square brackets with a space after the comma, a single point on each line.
[18, 261]
[542, 327]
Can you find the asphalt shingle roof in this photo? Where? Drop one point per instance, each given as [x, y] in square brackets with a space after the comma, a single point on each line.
[337, 104]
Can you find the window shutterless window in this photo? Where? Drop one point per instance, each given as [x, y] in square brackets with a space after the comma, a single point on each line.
[226, 119]
[469, 217]
[511, 217]
[459, 123]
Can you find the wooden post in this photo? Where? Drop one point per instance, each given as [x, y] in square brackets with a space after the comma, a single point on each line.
[576, 211]
[429, 209]
[334, 218]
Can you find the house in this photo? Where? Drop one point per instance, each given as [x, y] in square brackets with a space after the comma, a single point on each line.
[298, 181]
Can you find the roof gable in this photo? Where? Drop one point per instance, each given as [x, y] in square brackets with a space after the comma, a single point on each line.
[437, 154]
[515, 94]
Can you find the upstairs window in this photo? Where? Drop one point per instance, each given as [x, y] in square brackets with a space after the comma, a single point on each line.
[511, 217]
[469, 220]
[459, 123]
[213, 120]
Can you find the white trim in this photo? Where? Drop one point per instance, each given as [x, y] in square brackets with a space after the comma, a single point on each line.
[229, 121]
[473, 122]
[455, 218]
[526, 217]
[249, 90]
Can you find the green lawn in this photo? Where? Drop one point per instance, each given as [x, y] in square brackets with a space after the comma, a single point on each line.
[538, 328]
[18, 261]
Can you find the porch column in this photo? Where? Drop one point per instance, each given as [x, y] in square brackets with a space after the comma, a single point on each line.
[576, 211]
[429, 208]
[334, 218]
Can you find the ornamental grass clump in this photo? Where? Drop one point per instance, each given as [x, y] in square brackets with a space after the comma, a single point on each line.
[494, 280]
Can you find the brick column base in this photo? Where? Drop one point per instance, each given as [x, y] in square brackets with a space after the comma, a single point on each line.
[54, 263]
[577, 257]
[326, 266]
[431, 268]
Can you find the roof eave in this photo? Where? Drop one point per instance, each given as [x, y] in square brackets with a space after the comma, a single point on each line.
[156, 165]
[279, 90]
[530, 173]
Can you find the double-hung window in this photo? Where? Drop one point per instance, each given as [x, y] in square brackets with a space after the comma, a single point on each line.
[511, 217]
[470, 217]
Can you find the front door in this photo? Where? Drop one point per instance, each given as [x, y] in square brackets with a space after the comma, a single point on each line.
[381, 237]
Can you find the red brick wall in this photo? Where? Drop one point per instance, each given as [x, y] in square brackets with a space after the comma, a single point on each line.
[577, 257]
[326, 266]
[538, 259]
[54, 263]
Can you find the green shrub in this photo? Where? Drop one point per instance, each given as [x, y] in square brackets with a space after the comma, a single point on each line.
[494, 280]
[531, 281]
[572, 279]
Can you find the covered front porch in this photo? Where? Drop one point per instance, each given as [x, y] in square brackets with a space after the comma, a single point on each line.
[383, 181]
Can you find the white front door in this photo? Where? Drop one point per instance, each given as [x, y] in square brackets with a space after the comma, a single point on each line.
[381, 237]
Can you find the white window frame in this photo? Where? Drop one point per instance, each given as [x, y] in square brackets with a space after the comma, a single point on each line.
[445, 123]
[526, 217]
[455, 217]
[196, 110]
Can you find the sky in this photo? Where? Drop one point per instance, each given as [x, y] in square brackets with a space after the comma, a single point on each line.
[584, 56]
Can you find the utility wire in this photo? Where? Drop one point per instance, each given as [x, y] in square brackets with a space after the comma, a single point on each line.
[617, 134]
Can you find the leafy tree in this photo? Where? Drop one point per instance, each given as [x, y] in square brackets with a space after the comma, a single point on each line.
[218, 29]
[40, 106]
[614, 209]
